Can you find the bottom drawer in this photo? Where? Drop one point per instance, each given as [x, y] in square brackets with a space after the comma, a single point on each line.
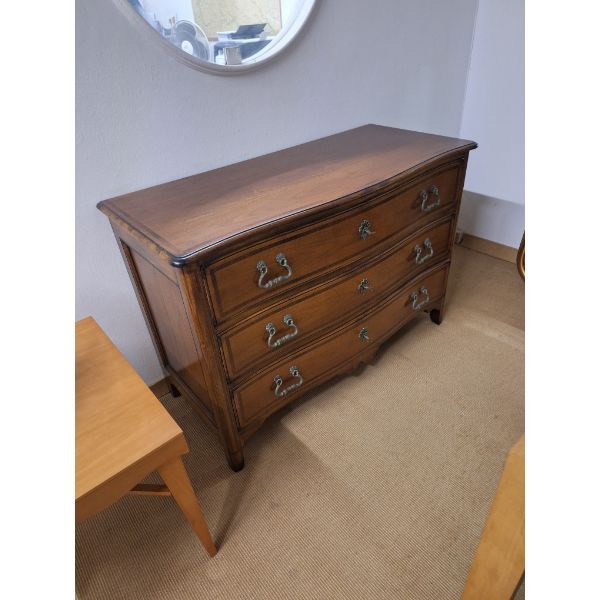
[307, 367]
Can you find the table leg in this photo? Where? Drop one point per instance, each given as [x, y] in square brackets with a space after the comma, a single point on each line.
[176, 479]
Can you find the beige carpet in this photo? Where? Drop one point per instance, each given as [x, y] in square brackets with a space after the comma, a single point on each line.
[375, 487]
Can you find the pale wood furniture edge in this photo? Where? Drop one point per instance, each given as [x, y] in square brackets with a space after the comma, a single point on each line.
[111, 490]
[108, 481]
[521, 258]
[176, 479]
[499, 563]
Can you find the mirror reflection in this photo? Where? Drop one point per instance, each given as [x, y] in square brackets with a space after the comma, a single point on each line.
[223, 32]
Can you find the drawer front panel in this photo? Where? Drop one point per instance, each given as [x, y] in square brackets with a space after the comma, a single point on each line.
[278, 331]
[242, 280]
[299, 372]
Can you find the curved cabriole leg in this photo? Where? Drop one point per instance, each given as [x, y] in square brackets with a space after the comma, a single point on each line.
[235, 460]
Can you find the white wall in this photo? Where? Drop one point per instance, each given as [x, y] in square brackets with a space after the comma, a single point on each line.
[143, 118]
[494, 116]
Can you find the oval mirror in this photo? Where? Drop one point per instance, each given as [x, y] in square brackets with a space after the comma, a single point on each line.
[222, 36]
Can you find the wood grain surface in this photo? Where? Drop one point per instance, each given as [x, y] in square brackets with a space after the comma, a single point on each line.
[499, 563]
[122, 432]
[184, 217]
[341, 209]
[333, 302]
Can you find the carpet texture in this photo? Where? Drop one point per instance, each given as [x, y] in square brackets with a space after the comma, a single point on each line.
[376, 486]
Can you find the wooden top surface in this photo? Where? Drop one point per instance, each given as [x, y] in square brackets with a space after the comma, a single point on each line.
[187, 216]
[119, 422]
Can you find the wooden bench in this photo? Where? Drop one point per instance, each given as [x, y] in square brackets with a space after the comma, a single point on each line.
[123, 433]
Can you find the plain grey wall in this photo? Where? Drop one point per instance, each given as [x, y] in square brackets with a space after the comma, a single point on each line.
[143, 118]
[494, 115]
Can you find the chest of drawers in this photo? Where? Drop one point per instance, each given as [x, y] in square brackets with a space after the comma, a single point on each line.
[261, 280]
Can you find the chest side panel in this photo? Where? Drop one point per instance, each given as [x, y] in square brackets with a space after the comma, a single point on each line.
[174, 329]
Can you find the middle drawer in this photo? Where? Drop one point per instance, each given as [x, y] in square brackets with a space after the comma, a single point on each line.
[280, 329]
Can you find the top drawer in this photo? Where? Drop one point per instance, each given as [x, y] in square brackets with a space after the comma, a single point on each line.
[259, 275]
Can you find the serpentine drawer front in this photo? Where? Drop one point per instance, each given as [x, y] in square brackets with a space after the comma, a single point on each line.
[257, 276]
[263, 279]
[336, 349]
[279, 329]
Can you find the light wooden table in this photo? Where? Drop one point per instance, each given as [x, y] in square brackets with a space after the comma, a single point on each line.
[499, 563]
[123, 433]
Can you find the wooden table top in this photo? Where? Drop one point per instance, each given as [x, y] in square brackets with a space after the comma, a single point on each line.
[188, 216]
[122, 431]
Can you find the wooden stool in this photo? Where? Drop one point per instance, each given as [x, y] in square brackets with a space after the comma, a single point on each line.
[123, 433]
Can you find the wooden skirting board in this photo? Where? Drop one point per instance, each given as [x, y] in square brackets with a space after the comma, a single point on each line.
[488, 247]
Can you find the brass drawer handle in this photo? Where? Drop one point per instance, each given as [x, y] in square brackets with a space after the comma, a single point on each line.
[261, 266]
[362, 336]
[280, 393]
[415, 296]
[289, 321]
[364, 286]
[425, 197]
[364, 230]
[420, 258]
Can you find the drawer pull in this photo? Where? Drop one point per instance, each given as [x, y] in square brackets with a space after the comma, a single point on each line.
[272, 330]
[362, 336]
[280, 393]
[425, 197]
[363, 286]
[262, 268]
[415, 296]
[420, 257]
[364, 230]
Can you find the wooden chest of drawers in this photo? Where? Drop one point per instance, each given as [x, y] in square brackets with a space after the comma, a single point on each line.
[263, 279]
